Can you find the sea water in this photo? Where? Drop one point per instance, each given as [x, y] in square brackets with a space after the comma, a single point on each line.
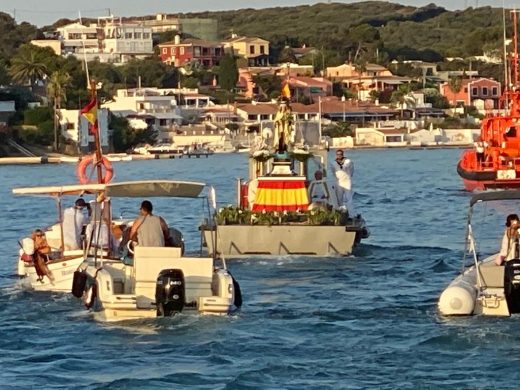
[368, 321]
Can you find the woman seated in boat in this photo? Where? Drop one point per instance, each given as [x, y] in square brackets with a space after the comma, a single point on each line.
[509, 247]
[41, 255]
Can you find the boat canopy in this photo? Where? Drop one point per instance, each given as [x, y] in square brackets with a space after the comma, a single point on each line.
[130, 189]
[495, 195]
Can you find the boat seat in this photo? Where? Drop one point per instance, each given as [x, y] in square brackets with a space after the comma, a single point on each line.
[492, 276]
[150, 261]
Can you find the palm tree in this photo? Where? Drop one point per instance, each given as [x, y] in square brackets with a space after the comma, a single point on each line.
[56, 90]
[27, 66]
[360, 67]
[402, 97]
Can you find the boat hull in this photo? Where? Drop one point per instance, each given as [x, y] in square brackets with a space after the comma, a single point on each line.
[464, 297]
[484, 180]
[62, 271]
[128, 292]
[244, 240]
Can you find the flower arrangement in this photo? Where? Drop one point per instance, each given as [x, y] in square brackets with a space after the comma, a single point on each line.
[300, 155]
[232, 215]
[262, 155]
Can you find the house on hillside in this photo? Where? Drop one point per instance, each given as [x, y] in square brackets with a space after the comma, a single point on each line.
[178, 52]
[7, 110]
[254, 49]
[372, 77]
[483, 93]
[111, 39]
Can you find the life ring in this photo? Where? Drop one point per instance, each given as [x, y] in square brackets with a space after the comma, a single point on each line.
[90, 296]
[81, 171]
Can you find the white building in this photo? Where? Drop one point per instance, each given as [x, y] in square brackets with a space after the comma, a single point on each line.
[109, 40]
[75, 127]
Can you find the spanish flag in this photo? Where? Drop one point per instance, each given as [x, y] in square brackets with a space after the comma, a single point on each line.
[286, 92]
[90, 111]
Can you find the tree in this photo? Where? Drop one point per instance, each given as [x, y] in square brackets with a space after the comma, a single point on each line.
[27, 67]
[56, 90]
[402, 97]
[287, 55]
[228, 72]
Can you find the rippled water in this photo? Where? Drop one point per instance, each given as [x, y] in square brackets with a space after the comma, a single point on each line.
[363, 322]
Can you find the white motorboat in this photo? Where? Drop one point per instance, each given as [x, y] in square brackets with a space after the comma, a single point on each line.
[155, 281]
[484, 287]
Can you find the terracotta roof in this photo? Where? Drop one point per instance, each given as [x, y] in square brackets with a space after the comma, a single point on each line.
[259, 108]
[192, 42]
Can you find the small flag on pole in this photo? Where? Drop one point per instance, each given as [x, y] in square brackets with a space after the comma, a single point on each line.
[90, 111]
[286, 92]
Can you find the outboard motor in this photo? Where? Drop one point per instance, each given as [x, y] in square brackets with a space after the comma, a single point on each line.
[512, 285]
[169, 292]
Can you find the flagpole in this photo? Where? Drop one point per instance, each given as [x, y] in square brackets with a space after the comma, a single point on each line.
[95, 127]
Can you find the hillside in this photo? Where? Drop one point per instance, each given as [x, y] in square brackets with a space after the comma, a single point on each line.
[430, 32]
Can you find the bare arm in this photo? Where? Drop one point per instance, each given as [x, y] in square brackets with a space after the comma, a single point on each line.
[135, 227]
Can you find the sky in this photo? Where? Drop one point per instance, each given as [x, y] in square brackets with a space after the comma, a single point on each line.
[44, 12]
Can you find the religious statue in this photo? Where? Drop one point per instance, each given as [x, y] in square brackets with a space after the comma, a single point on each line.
[283, 126]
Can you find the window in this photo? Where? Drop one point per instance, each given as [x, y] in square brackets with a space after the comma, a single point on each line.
[146, 35]
[252, 49]
[74, 36]
[484, 91]
[495, 91]
[465, 89]
[474, 91]
[393, 138]
[262, 49]
[128, 35]
[70, 126]
[182, 50]
[137, 35]
[165, 50]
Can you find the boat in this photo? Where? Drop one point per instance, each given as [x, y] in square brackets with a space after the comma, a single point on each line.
[165, 148]
[494, 163]
[274, 213]
[483, 287]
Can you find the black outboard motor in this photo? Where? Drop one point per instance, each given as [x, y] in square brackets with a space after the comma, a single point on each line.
[512, 285]
[169, 292]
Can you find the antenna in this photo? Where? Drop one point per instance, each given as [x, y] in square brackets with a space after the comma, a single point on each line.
[84, 53]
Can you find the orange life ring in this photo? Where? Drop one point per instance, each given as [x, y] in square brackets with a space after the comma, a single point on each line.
[81, 171]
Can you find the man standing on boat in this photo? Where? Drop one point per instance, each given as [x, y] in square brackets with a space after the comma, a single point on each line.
[74, 219]
[150, 230]
[343, 169]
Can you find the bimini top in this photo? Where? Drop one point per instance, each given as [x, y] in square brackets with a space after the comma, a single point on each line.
[130, 189]
[495, 195]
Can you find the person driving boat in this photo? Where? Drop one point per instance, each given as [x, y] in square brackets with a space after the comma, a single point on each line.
[149, 229]
[509, 247]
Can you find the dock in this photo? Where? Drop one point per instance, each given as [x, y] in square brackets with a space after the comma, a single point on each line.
[56, 159]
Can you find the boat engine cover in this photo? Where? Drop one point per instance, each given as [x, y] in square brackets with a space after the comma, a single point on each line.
[170, 292]
[512, 285]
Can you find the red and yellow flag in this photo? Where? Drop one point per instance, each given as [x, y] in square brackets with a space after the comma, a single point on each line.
[286, 91]
[90, 111]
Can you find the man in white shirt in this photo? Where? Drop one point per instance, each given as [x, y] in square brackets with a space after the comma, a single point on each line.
[73, 221]
[343, 170]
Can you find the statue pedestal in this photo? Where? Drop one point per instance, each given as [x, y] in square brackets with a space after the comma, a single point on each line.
[281, 165]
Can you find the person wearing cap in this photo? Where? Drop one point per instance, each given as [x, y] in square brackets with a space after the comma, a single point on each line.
[343, 169]
[509, 246]
[149, 229]
[74, 219]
